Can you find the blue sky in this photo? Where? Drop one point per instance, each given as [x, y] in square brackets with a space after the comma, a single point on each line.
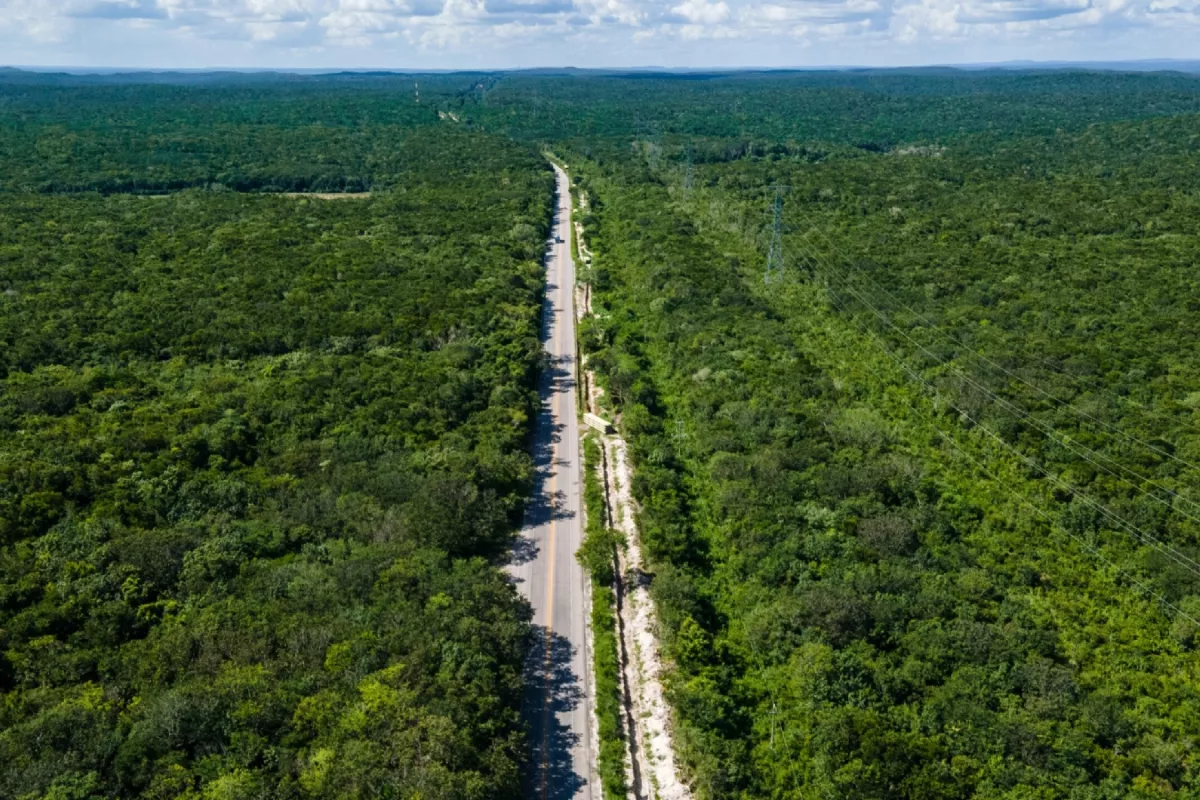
[588, 33]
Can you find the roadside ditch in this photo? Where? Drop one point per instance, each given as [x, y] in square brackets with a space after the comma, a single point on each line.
[643, 721]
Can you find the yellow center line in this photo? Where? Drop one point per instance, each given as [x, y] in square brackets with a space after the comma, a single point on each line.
[549, 601]
[549, 634]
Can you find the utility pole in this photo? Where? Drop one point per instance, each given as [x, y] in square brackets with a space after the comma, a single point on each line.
[775, 249]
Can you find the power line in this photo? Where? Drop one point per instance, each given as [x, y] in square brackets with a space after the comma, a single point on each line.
[1020, 496]
[991, 362]
[1053, 524]
[1075, 447]
[775, 248]
[1091, 383]
[1172, 553]
[1049, 518]
[1048, 430]
[1178, 557]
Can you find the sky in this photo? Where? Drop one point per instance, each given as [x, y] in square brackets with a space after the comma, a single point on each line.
[495, 34]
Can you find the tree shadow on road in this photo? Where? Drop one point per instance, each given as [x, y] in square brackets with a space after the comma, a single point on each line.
[545, 505]
[548, 435]
[552, 691]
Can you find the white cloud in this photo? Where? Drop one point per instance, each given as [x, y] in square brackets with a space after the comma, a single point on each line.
[32, 20]
[993, 11]
[703, 12]
[614, 12]
[445, 33]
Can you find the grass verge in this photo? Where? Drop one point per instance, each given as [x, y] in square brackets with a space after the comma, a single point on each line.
[598, 556]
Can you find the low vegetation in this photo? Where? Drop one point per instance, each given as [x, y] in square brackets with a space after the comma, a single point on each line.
[599, 556]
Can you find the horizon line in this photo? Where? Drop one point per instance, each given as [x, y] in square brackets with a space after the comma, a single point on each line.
[81, 69]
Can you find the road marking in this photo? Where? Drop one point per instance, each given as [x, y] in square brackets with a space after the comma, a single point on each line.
[549, 626]
[550, 532]
[558, 303]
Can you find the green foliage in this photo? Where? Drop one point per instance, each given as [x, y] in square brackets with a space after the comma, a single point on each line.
[613, 745]
[153, 134]
[259, 459]
[598, 555]
[779, 115]
[852, 607]
[260, 455]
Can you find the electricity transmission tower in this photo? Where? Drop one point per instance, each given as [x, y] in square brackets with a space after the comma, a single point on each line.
[689, 173]
[775, 249]
[655, 146]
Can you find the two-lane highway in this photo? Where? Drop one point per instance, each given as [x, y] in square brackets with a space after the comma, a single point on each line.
[558, 698]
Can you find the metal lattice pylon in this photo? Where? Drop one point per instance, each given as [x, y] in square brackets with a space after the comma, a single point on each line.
[775, 249]
[689, 173]
[654, 146]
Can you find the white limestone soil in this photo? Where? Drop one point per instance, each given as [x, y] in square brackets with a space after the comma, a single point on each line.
[646, 706]
[652, 715]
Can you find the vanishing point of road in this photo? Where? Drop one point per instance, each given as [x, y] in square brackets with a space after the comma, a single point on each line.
[558, 696]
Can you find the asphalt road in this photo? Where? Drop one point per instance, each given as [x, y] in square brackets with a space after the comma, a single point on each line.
[558, 699]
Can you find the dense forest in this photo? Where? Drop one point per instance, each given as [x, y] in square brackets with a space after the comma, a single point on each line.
[916, 473]
[244, 133]
[917, 457]
[259, 458]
